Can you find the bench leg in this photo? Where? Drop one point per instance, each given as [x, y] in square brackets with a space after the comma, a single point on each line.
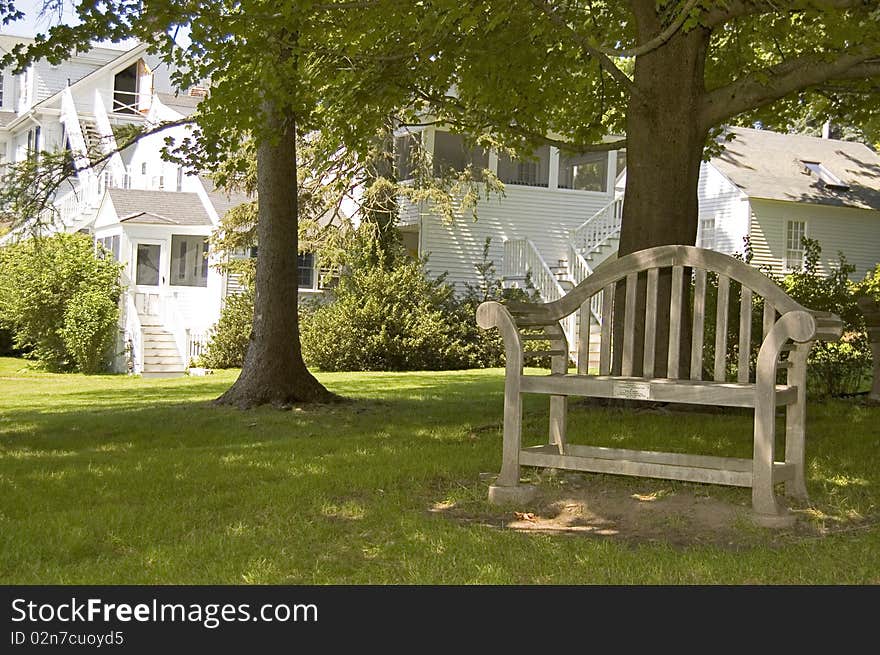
[507, 488]
[795, 425]
[768, 511]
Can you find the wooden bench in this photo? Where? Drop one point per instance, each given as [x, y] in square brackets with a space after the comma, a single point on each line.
[871, 310]
[636, 372]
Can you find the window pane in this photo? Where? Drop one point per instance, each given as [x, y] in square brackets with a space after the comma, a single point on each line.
[306, 270]
[450, 153]
[188, 264]
[147, 268]
[406, 152]
[528, 171]
[621, 163]
[587, 172]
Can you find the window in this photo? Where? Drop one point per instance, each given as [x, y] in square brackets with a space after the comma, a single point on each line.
[305, 270]
[450, 153]
[189, 261]
[143, 168]
[706, 233]
[828, 178]
[795, 231]
[406, 152]
[533, 170]
[109, 246]
[33, 143]
[586, 172]
[147, 265]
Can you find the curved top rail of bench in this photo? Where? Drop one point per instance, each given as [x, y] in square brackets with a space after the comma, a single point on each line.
[667, 256]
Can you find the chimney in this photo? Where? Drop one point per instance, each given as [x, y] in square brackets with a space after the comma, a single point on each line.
[826, 129]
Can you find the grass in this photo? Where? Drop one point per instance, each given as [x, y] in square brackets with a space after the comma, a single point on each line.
[118, 480]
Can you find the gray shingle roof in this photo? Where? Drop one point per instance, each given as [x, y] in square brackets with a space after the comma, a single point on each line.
[770, 165]
[6, 117]
[158, 207]
[223, 200]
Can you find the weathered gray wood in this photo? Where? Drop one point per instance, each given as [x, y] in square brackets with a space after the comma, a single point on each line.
[672, 362]
[871, 310]
[698, 392]
[699, 318]
[745, 335]
[584, 321]
[796, 420]
[721, 328]
[650, 322]
[669, 466]
[605, 336]
[795, 324]
[769, 318]
[629, 323]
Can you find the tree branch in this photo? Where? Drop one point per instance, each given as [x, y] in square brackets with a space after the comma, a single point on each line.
[764, 86]
[658, 40]
[591, 48]
[733, 9]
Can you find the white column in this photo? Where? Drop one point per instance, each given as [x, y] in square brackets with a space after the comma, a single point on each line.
[553, 182]
[612, 170]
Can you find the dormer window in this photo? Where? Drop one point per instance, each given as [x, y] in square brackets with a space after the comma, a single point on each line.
[828, 178]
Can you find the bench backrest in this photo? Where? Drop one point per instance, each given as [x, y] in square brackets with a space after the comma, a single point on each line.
[660, 280]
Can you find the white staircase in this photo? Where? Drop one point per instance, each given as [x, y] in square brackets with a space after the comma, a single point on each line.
[160, 352]
[590, 244]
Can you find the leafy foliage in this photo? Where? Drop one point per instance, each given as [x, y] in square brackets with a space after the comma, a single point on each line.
[60, 301]
[229, 338]
[397, 318]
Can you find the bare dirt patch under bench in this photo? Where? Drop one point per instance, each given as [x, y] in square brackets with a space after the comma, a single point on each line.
[642, 511]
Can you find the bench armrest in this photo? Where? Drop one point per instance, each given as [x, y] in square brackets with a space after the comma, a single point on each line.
[494, 314]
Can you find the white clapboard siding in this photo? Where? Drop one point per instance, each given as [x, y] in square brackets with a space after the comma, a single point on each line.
[720, 199]
[542, 215]
[855, 232]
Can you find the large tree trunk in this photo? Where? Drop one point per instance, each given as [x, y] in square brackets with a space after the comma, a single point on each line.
[274, 372]
[665, 143]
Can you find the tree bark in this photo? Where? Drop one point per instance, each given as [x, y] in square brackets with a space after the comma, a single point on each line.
[665, 141]
[274, 372]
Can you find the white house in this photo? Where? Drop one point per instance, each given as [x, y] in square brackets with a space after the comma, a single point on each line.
[151, 215]
[560, 215]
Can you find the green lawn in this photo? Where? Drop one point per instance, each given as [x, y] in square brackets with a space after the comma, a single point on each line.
[112, 480]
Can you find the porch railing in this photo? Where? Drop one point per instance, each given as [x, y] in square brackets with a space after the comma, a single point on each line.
[600, 228]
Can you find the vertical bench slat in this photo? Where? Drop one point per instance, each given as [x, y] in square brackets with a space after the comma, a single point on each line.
[721, 328]
[674, 324]
[605, 338]
[745, 334]
[650, 322]
[629, 323]
[584, 338]
[769, 317]
[699, 316]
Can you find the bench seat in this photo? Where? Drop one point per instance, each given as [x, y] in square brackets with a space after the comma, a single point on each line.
[697, 392]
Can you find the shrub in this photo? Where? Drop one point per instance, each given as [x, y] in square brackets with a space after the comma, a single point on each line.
[89, 329]
[60, 300]
[396, 318]
[229, 338]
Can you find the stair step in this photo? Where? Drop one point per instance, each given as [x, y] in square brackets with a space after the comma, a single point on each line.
[156, 360]
[164, 368]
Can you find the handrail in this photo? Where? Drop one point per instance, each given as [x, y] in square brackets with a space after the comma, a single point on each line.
[601, 227]
[580, 270]
[522, 258]
[133, 334]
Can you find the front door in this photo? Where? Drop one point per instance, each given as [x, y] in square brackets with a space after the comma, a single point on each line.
[148, 275]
